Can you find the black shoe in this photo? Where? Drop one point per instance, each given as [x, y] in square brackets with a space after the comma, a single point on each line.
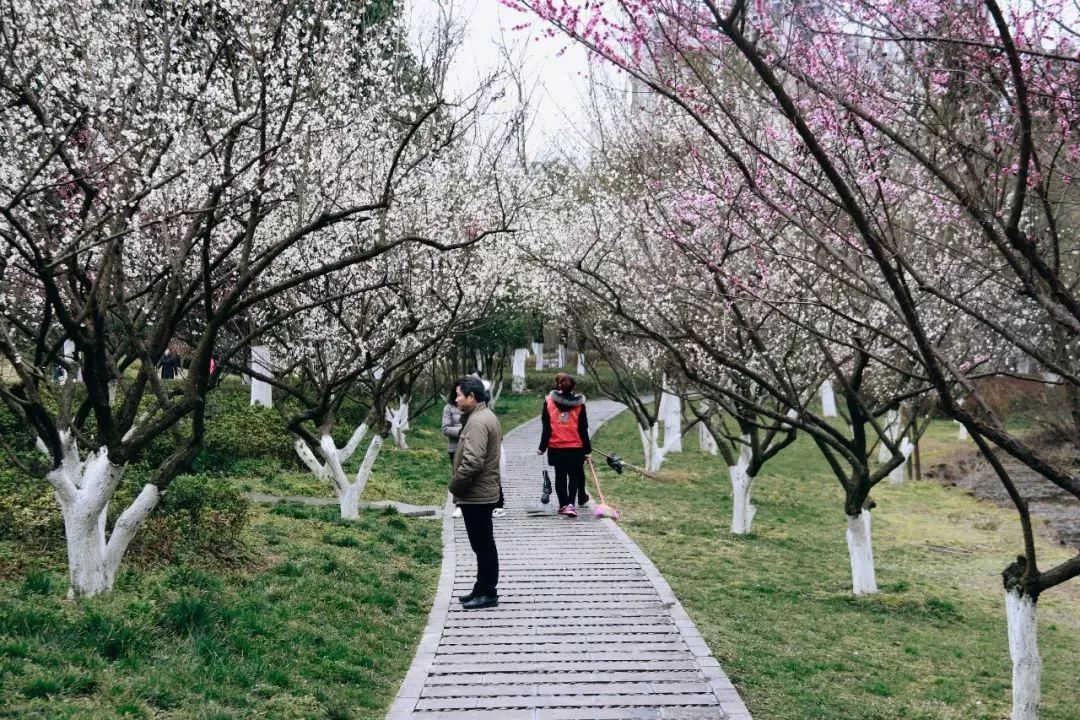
[467, 598]
[481, 601]
[583, 500]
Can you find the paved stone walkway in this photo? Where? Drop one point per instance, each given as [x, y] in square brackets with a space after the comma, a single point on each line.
[585, 628]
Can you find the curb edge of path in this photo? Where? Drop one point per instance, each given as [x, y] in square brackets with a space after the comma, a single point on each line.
[413, 684]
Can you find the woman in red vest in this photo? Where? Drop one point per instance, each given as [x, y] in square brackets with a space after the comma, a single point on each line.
[565, 437]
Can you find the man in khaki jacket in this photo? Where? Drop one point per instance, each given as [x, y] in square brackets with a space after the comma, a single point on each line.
[475, 486]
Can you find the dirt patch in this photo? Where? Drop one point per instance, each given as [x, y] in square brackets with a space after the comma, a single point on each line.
[967, 469]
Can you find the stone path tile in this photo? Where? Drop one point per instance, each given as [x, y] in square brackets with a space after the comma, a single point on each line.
[586, 628]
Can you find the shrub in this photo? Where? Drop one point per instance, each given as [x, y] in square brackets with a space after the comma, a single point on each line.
[198, 515]
[236, 432]
[28, 512]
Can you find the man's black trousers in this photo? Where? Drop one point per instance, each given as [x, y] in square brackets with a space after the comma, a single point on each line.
[482, 538]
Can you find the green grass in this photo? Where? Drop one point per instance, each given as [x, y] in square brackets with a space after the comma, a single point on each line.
[323, 627]
[776, 609]
[418, 475]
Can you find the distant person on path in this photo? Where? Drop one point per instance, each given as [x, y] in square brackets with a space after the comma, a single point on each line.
[475, 486]
[565, 437]
[451, 422]
[451, 428]
[169, 364]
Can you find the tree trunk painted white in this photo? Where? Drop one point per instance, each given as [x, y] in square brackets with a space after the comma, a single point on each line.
[261, 392]
[896, 475]
[1051, 377]
[364, 473]
[742, 510]
[650, 447]
[562, 355]
[580, 369]
[653, 450]
[478, 360]
[961, 431]
[671, 415]
[399, 423]
[892, 426]
[494, 395]
[1021, 613]
[112, 393]
[861, 550]
[706, 441]
[538, 351]
[348, 493]
[1024, 366]
[83, 491]
[521, 355]
[828, 400]
[69, 358]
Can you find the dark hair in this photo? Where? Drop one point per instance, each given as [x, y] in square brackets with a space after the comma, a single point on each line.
[565, 383]
[473, 386]
[451, 397]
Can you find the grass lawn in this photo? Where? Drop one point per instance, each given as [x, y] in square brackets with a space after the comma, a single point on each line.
[418, 475]
[776, 609]
[322, 623]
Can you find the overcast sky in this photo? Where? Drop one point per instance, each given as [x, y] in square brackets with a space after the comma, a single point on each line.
[558, 82]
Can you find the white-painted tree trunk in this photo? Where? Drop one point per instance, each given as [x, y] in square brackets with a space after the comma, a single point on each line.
[479, 361]
[1024, 366]
[654, 452]
[828, 400]
[363, 474]
[580, 369]
[650, 447]
[961, 431]
[521, 355]
[348, 493]
[261, 392]
[562, 355]
[494, 394]
[671, 415]
[706, 441]
[863, 580]
[83, 491]
[538, 351]
[1021, 613]
[896, 475]
[399, 423]
[892, 426]
[69, 358]
[742, 510]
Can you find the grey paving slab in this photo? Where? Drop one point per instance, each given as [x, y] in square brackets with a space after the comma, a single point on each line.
[586, 628]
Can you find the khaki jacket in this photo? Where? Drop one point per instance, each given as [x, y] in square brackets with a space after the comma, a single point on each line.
[476, 460]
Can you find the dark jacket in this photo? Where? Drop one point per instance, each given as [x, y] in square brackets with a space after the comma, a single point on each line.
[583, 420]
[476, 462]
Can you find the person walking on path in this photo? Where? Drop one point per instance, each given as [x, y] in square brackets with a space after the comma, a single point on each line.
[565, 436]
[475, 487]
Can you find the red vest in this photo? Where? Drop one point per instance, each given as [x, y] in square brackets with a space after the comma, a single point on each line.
[564, 425]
